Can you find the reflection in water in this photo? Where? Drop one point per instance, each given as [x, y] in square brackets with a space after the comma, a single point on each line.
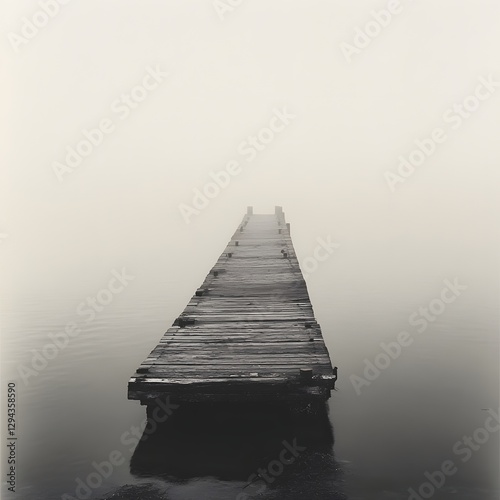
[267, 450]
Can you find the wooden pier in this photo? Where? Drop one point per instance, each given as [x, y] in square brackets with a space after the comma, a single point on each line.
[248, 333]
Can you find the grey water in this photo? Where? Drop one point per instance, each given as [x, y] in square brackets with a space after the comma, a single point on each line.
[385, 435]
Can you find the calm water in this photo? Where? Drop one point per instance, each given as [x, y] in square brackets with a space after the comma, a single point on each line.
[405, 423]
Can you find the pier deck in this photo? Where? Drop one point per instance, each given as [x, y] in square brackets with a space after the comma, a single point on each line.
[249, 332]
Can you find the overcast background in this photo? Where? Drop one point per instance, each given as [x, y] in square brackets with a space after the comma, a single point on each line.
[120, 207]
[326, 169]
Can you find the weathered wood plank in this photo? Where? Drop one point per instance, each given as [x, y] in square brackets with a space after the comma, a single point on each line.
[247, 331]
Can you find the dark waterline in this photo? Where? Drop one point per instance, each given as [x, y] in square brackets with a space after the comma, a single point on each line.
[264, 451]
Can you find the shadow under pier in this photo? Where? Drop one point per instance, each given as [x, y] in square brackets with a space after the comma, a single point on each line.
[271, 447]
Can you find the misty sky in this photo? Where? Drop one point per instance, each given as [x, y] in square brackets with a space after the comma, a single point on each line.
[226, 79]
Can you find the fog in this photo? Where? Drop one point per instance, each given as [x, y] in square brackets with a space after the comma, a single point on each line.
[120, 206]
[216, 83]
